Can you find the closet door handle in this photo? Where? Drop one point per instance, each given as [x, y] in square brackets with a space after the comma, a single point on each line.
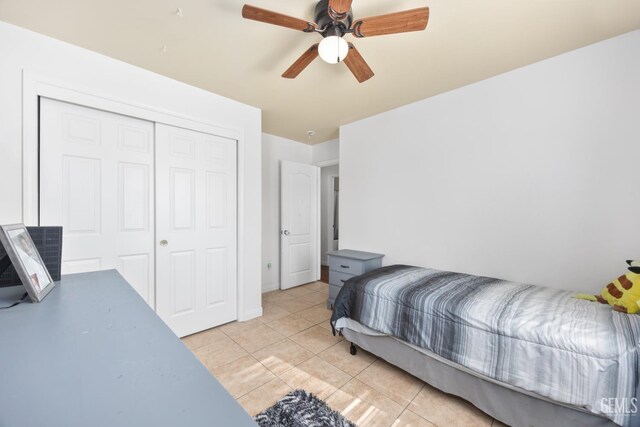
[344, 266]
[163, 243]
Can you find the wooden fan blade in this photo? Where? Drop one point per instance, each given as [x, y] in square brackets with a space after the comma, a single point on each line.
[399, 22]
[275, 18]
[339, 9]
[358, 65]
[301, 63]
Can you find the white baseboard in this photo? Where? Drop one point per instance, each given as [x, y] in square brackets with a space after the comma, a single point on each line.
[270, 287]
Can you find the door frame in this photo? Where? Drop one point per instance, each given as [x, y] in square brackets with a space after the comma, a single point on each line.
[332, 206]
[36, 85]
[330, 162]
[322, 164]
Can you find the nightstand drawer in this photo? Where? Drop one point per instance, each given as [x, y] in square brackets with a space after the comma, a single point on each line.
[345, 265]
[337, 279]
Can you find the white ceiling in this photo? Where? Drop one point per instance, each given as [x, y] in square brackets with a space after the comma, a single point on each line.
[213, 48]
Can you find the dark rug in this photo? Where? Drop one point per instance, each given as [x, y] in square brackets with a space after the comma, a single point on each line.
[301, 409]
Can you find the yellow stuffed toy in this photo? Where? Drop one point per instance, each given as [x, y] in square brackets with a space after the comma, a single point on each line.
[623, 294]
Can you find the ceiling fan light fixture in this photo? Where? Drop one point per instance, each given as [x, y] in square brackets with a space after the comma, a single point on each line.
[333, 19]
[333, 49]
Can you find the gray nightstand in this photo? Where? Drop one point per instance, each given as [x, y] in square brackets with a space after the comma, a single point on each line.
[345, 264]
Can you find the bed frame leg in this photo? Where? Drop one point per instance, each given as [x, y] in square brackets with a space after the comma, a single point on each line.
[353, 349]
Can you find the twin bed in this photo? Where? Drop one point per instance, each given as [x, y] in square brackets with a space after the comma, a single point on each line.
[524, 354]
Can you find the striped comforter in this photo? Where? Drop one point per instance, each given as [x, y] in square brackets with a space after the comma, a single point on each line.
[538, 339]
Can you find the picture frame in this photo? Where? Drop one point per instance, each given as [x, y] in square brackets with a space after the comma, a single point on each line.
[26, 260]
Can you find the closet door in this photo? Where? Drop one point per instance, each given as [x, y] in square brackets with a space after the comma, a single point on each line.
[96, 180]
[196, 229]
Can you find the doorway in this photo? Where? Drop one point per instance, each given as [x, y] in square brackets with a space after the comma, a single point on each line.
[330, 227]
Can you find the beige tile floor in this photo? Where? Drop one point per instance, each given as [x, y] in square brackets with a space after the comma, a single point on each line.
[291, 346]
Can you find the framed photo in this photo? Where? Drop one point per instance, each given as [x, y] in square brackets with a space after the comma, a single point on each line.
[26, 260]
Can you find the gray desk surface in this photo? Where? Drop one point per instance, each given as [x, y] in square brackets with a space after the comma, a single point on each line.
[94, 354]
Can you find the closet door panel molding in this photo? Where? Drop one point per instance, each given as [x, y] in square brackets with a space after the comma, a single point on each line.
[96, 180]
[196, 194]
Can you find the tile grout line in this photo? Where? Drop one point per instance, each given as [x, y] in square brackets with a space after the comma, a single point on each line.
[251, 352]
[404, 407]
[313, 354]
[414, 398]
[277, 376]
[300, 331]
[255, 388]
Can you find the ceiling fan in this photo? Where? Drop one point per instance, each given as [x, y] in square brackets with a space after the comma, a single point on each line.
[333, 20]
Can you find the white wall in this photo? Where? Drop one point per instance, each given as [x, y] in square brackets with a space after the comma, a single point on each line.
[529, 176]
[326, 215]
[274, 150]
[22, 50]
[325, 151]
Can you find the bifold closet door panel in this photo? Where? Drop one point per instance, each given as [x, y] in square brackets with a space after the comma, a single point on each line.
[96, 180]
[196, 196]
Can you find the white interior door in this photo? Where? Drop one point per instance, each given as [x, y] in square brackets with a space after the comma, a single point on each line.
[96, 180]
[299, 224]
[196, 229]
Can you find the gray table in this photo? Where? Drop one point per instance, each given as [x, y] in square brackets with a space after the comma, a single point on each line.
[94, 354]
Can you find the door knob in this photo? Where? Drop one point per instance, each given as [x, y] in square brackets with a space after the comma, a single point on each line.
[285, 232]
[163, 243]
